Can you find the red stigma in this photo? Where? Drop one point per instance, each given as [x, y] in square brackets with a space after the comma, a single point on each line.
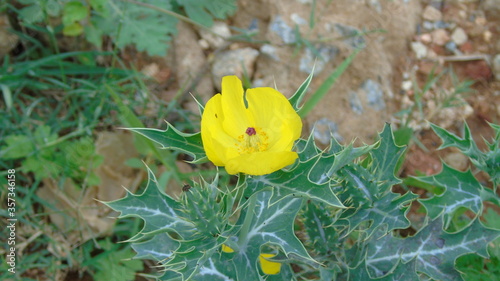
[250, 131]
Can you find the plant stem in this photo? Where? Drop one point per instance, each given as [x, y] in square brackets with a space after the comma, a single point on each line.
[248, 220]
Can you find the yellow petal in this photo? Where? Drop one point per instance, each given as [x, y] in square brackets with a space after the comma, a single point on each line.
[260, 163]
[218, 145]
[227, 249]
[236, 120]
[273, 112]
[269, 267]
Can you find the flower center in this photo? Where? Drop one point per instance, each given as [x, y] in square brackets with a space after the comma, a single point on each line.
[253, 140]
[250, 131]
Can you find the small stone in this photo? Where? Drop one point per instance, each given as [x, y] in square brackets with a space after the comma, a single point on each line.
[432, 14]
[406, 85]
[440, 37]
[233, 62]
[452, 47]
[309, 60]
[419, 49]
[441, 24]
[427, 25]
[374, 94]
[298, 20]
[270, 51]
[352, 35]
[487, 35]
[283, 30]
[496, 66]
[325, 129]
[426, 38]
[457, 160]
[220, 28]
[355, 103]
[459, 36]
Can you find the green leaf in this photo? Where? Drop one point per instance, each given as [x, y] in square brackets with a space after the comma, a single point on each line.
[147, 29]
[159, 211]
[318, 221]
[17, 146]
[201, 10]
[433, 250]
[270, 224]
[171, 138]
[73, 12]
[296, 99]
[385, 159]
[329, 164]
[461, 190]
[294, 183]
[73, 29]
[117, 265]
[359, 191]
[488, 162]
[32, 14]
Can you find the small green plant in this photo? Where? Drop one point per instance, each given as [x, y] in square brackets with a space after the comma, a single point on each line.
[332, 214]
[146, 24]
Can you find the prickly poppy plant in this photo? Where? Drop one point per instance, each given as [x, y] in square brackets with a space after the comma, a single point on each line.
[331, 213]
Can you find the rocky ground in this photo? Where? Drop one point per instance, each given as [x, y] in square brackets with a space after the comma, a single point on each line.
[404, 44]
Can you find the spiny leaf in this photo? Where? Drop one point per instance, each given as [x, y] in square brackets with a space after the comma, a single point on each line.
[159, 211]
[270, 224]
[171, 138]
[385, 159]
[318, 221]
[359, 191]
[329, 164]
[386, 214]
[294, 183]
[160, 247]
[488, 162]
[433, 250]
[296, 99]
[461, 190]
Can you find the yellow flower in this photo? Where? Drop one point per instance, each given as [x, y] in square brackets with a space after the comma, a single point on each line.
[252, 132]
[268, 267]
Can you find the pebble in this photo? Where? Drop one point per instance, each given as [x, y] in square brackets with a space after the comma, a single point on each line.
[234, 62]
[427, 25]
[283, 30]
[354, 40]
[457, 160]
[459, 36]
[213, 40]
[426, 38]
[419, 49]
[406, 85]
[355, 103]
[374, 94]
[452, 47]
[496, 67]
[440, 37]
[270, 51]
[297, 19]
[309, 60]
[432, 14]
[325, 129]
[487, 35]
